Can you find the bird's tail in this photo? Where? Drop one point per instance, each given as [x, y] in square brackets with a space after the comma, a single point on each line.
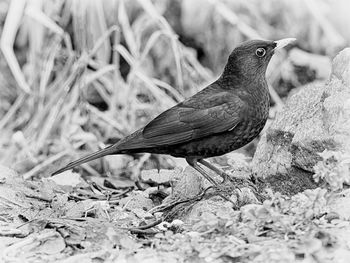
[88, 158]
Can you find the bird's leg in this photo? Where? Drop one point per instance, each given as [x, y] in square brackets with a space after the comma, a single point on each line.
[219, 190]
[194, 164]
[224, 175]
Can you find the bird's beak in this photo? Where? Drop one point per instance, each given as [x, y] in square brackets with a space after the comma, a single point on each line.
[283, 42]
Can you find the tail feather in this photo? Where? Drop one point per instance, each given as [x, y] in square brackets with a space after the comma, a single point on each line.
[88, 158]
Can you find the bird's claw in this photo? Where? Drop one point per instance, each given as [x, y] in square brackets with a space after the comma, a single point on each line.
[225, 177]
[241, 181]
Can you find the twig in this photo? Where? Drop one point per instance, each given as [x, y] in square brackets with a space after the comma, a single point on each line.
[39, 197]
[153, 224]
[164, 207]
[143, 232]
[113, 198]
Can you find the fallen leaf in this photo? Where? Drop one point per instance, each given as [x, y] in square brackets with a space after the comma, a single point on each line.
[67, 178]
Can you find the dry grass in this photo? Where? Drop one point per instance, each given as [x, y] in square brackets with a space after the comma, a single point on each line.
[132, 57]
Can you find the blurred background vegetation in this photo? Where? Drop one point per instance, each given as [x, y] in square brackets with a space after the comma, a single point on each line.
[91, 72]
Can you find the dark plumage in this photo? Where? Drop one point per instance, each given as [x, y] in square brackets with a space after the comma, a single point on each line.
[223, 117]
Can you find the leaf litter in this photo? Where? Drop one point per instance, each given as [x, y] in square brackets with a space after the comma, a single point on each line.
[60, 219]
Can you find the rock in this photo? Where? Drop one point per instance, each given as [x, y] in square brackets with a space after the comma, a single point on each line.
[208, 209]
[314, 119]
[339, 205]
[341, 69]
[187, 185]
[67, 178]
[137, 200]
[160, 177]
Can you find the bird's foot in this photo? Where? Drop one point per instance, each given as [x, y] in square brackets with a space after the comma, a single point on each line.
[238, 195]
[245, 182]
[226, 177]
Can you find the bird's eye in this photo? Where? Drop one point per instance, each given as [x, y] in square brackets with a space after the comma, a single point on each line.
[260, 52]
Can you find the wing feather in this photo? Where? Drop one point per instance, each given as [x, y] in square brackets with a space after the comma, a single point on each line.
[189, 120]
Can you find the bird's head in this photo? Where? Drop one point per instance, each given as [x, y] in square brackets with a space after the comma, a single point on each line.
[250, 59]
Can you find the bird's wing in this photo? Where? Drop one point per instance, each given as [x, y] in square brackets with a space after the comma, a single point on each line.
[195, 118]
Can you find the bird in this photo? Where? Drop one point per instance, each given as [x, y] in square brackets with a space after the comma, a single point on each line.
[224, 116]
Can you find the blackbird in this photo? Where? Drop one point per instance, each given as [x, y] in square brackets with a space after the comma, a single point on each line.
[224, 116]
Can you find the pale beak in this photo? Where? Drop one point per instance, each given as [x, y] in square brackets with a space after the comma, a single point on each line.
[283, 42]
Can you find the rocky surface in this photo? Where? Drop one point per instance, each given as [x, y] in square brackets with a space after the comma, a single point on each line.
[314, 119]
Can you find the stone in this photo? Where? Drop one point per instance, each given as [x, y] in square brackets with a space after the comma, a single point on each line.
[314, 119]
[160, 177]
[187, 185]
[339, 205]
[341, 69]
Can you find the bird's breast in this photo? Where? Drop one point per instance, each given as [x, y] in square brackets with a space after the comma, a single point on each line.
[258, 100]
